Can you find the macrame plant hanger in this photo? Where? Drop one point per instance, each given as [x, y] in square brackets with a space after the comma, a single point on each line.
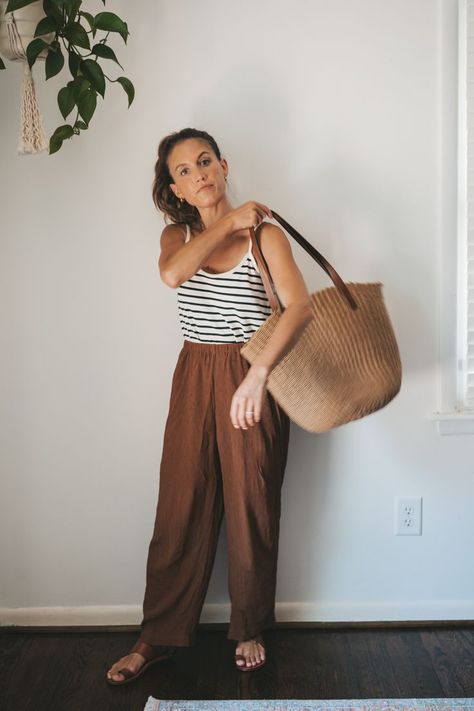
[31, 137]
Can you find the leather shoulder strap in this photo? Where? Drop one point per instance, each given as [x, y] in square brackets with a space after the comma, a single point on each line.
[312, 251]
[271, 292]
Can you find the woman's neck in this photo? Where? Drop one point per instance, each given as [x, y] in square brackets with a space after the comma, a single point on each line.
[211, 214]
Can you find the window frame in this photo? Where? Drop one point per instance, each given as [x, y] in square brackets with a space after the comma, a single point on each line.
[454, 415]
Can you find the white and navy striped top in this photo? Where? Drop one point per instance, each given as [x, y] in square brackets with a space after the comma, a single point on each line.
[227, 307]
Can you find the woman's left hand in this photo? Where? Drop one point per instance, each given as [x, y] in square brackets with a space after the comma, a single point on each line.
[246, 406]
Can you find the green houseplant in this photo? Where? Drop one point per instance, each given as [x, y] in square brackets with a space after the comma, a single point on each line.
[70, 31]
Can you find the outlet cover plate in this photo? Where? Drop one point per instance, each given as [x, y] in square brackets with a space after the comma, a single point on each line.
[408, 515]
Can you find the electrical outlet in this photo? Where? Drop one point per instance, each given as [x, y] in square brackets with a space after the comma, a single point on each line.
[408, 515]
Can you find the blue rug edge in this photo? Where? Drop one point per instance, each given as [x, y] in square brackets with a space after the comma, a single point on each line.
[154, 704]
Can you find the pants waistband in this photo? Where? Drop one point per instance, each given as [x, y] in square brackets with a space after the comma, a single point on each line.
[221, 347]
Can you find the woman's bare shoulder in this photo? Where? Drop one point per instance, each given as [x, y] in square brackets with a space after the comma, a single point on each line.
[173, 231]
[272, 238]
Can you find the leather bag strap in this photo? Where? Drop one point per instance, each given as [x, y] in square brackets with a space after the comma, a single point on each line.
[272, 295]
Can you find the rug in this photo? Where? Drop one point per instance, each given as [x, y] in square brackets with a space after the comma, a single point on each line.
[456, 704]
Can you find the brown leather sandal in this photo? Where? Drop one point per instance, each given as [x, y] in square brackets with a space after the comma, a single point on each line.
[243, 667]
[151, 653]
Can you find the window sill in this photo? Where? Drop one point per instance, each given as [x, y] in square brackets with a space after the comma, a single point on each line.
[454, 423]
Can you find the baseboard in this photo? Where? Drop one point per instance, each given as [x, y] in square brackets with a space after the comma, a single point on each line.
[310, 614]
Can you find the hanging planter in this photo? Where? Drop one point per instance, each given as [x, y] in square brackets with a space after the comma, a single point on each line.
[17, 30]
[32, 30]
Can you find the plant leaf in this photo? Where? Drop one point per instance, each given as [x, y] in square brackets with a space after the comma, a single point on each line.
[89, 18]
[87, 104]
[51, 9]
[68, 4]
[56, 140]
[94, 73]
[46, 25]
[74, 7]
[16, 4]
[74, 62]
[76, 34]
[106, 52]
[54, 62]
[80, 86]
[64, 131]
[66, 101]
[34, 48]
[128, 87]
[111, 22]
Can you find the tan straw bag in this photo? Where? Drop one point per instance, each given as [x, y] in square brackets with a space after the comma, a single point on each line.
[346, 363]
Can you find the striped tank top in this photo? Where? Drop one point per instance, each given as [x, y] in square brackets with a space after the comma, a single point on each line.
[227, 307]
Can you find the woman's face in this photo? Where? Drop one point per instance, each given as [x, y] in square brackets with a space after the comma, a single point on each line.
[192, 163]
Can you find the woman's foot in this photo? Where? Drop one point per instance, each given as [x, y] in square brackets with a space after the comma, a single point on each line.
[250, 653]
[135, 660]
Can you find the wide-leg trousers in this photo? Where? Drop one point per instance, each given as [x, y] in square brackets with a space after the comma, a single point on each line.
[209, 467]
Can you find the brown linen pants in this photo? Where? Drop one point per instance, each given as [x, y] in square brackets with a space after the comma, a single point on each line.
[208, 466]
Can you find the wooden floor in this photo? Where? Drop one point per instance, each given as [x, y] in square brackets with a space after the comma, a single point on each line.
[66, 671]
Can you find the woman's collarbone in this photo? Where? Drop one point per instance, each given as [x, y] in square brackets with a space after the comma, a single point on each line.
[226, 258]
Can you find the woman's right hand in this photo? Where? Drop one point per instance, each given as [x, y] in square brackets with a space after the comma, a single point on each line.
[250, 214]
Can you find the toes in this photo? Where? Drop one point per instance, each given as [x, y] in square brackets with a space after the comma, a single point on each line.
[253, 654]
[114, 672]
[117, 676]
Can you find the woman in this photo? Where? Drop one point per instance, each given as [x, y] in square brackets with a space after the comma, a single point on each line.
[226, 439]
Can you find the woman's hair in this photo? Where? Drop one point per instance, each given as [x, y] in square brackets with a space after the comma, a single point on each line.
[163, 197]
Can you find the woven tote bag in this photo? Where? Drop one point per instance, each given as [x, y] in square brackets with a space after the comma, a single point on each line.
[345, 364]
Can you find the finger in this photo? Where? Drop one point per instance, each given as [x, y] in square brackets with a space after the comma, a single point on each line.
[257, 221]
[266, 210]
[241, 414]
[257, 412]
[233, 412]
[259, 215]
[250, 413]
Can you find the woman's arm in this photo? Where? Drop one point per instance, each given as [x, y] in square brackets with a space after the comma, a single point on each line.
[294, 296]
[178, 260]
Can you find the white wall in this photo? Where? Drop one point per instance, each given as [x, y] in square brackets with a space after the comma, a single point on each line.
[329, 112]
